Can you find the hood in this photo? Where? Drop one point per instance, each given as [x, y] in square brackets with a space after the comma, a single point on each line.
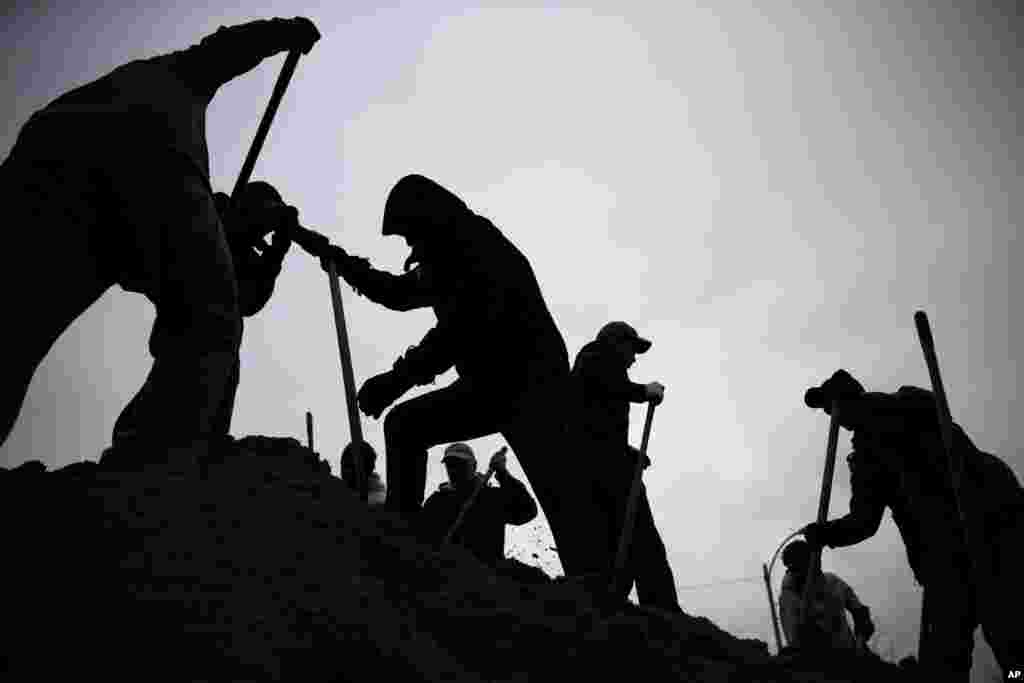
[417, 206]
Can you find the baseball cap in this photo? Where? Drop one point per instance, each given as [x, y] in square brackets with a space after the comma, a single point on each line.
[459, 451]
[620, 331]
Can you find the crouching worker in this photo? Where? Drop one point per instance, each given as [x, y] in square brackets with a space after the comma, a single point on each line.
[482, 530]
[119, 169]
[375, 487]
[825, 630]
[260, 212]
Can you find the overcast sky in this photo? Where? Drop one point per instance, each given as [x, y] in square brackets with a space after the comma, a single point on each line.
[767, 190]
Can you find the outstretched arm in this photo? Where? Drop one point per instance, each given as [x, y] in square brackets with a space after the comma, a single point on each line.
[867, 505]
[234, 50]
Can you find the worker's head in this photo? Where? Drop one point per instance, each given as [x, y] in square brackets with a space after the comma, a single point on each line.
[460, 463]
[840, 386]
[422, 212]
[796, 557]
[348, 462]
[624, 340]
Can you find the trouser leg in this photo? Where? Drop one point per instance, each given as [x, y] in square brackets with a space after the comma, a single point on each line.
[560, 477]
[1001, 595]
[180, 260]
[454, 413]
[952, 618]
[51, 271]
[648, 560]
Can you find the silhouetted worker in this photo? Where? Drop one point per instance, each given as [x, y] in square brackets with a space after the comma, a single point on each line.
[110, 182]
[375, 487]
[827, 629]
[601, 425]
[899, 462]
[482, 530]
[260, 211]
[494, 327]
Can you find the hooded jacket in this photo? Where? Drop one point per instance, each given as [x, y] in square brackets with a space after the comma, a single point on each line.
[899, 462]
[483, 528]
[601, 394]
[493, 324]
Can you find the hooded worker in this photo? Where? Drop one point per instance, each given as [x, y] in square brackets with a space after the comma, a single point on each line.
[602, 394]
[482, 529]
[899, 462]
[110, 183]
[493, 327]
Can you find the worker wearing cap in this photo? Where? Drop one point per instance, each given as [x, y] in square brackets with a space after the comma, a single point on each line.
[899, 462]
[494, 328]
[603, 394]
[482, 530]
[829, 631]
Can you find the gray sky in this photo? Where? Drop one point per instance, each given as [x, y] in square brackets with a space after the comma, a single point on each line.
[767, 190]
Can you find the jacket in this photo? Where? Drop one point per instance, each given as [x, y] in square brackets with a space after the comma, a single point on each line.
[493, 324]
[899, 462]
[482, 530]
[601, 394]
[830, 601]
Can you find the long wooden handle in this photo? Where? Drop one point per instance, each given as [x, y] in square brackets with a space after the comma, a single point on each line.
[629, 518]
[348, 378]
[283, 79]
[771, 606]
[309, 429]
[814, 563]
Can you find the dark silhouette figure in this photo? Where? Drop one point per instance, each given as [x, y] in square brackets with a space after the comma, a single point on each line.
[603, 393]
[826, 629]
[109, 183]
[494, 327]
[260, 211]
[899, 462]
[482, 530]
[375, 487]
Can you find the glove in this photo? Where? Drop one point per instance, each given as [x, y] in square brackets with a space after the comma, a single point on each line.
[634, 453]
[499, 462]
[379, 392]
[655, 392]
[863, 627]
[815, 533]
[304, 34]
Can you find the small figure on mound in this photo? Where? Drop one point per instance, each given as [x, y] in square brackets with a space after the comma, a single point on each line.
[482, 529]
[111, 182]
[261, 211]
[601, 430]
[375, 486]
[494, 328]
[826, 628]
[899, 462]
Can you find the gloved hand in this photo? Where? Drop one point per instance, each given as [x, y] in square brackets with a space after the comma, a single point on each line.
[634, 453]
[815, 534]
[499, 462]
[863, 627]
[379, 392]
[304, 34]
[655, 392]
